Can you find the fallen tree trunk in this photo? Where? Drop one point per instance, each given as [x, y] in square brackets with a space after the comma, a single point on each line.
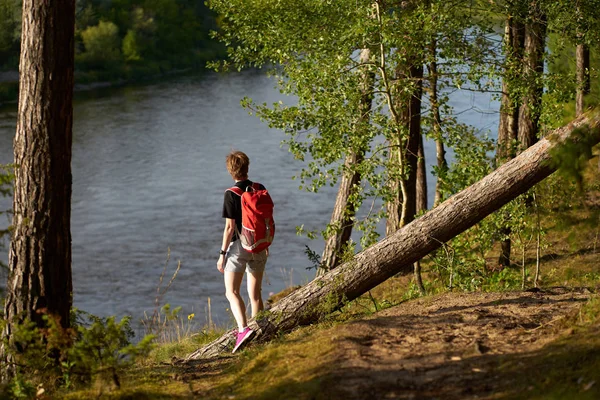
[397, 252]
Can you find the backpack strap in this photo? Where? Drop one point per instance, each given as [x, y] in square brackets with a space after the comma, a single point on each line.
[236, 190]
[240, 192]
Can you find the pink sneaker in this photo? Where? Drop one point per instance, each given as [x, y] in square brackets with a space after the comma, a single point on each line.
[242, 337]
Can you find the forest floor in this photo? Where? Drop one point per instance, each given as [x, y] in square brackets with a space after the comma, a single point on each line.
[451, 346]
[455, 346]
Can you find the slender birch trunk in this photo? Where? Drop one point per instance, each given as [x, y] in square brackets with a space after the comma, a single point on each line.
[344, 210]
[440, 151]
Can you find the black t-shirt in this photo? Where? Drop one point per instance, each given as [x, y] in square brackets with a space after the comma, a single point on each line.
[232, 205]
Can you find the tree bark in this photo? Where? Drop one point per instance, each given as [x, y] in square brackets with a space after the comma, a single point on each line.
[535, 41]
[508, 129]
[583, 77]
[39, 279]
[402, 209]
[440, 151]
[421, 205]
[343, 210]
[421, 176]
[397, 252]
[341, 217]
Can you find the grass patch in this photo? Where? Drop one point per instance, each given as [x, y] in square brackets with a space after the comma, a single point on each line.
[296, 366]
[167, 351]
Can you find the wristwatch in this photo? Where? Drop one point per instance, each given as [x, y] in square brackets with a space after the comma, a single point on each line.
[222, 252]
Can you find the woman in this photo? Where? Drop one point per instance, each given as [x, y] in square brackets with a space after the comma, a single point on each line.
[233, 259]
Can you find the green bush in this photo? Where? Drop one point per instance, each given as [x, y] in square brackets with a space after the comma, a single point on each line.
[52, 357]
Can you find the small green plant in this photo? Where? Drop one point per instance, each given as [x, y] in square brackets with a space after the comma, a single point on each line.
[166, 323]
[54, 357]
[169, 325]
[506, 279]
[313, 257]
[103, 349]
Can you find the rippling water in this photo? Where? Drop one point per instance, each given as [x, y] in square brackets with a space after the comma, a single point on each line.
[149, 175]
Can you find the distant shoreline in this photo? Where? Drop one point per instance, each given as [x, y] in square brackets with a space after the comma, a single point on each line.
[11, 78]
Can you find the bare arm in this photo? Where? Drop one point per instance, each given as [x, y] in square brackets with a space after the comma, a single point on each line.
[227, 235]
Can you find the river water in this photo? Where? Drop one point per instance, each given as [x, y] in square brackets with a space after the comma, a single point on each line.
[149, 175]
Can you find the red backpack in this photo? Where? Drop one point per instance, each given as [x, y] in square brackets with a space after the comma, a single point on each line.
[258, 226]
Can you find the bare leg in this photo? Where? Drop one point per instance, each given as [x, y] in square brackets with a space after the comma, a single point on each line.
[254, 291]
[233, 282]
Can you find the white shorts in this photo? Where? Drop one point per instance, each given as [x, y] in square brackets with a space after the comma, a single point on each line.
[240, 260]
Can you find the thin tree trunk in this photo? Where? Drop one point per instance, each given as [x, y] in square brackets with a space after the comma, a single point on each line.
[421, 205]
[583, 77]
[397, 252]
[421, 176]
[39, 279]
[535, 40]
[538, 247]
[505, 246]
[403, 208]
[341, 218]
[344, 210]
[508, 128]
[413, 118]
[440, 151]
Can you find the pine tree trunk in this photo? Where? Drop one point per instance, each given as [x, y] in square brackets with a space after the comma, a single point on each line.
[343, 210]
[397, 252]
[583, 77]
[39, 279]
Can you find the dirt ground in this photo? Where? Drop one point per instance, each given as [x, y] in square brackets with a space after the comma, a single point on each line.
[450, 346]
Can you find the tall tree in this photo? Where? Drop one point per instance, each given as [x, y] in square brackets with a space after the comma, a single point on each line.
[39, 279]
[436, 123]
[533, 63]
[582, 56]
[404, 148]
[405, 89]
[508, 129]
[344, 210]
[421, 177]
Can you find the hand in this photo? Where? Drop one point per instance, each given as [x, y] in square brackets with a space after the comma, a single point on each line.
[220, 263]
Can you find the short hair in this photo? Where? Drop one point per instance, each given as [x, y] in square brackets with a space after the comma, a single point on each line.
[237, 163]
